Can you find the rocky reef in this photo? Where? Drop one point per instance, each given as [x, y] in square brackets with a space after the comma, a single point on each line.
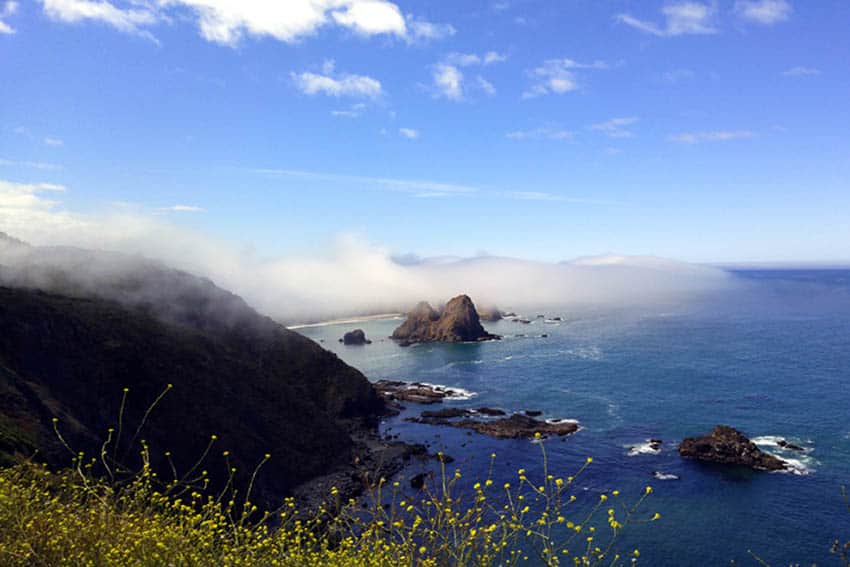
[517, 426]
[457, 322]
[727, 445]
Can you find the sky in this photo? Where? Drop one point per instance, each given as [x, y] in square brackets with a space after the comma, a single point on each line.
[545, 130]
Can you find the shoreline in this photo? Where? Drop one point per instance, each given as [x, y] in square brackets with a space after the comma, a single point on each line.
[349, 320]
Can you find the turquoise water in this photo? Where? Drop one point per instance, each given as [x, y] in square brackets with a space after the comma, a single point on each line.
[770, 356]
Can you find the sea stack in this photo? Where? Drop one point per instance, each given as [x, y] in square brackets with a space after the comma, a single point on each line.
[356, 337]
[457, 322]
[727, 445]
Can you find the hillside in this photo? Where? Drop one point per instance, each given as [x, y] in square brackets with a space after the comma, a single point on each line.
[257, 386]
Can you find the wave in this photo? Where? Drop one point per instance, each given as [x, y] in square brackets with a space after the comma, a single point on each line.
[584, 353]
[799, 461]
[658, 475]
[454, 393]
[648, 447]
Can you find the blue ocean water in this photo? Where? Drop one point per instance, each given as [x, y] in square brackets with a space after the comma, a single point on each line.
[769, 356]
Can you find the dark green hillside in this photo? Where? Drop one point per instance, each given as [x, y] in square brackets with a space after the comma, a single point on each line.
[256, 385]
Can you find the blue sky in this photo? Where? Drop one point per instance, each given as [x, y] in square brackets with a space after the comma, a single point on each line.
[702, 131]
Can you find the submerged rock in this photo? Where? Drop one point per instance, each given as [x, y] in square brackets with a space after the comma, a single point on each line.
[727, 445]
[355, 337]
[458, 322]
[789, 446]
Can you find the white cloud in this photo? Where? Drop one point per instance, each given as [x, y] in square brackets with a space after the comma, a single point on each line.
[9, 9]
[557, 76]
[130, 19]
[540, 134]
[182, 209]
[55, 142]
[679, 19]
[336, 84]
[710, 136]
[470, 59]
[616, 127]
[228, 22]
[448, 81]
[419, 30]
[764, 12]
[24, 205]
[800, 72]
[409, 133]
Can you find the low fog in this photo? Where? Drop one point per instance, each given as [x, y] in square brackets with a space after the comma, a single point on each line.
[352, 277]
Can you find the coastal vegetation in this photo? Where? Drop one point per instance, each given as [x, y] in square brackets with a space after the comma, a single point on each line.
[75, 517]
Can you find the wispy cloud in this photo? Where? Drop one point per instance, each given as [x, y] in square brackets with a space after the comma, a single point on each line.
[557, 76]
[413, 186]
[424, 189]
[450, 82]
[9, 9]
[409, 133]
[29, 164]
[470, 59]
[616, 127]
[710, 136]
[330, 83]
[679, 19]
[54, 142]
[132, 19]
[540, 134]
[800, 72]
[353, 111]
[182, 209]
[763, 12]
[419, 30]
[227, 23]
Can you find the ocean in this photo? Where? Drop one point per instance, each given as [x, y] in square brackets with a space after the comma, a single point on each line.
[770, 356]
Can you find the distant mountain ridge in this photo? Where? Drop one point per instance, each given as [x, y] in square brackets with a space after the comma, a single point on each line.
[76, 327]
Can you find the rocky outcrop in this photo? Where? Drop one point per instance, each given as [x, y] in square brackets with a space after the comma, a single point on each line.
[517, 426]
[357, 337]
[727, 445]
[457, 322]
[416, 392]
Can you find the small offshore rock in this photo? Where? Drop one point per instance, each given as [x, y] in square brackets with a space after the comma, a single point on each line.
[727, 445]
[356, 337]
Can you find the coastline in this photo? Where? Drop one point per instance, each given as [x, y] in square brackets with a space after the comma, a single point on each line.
[345, 321]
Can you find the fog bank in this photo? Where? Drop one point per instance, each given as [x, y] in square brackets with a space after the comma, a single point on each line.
[352, 277]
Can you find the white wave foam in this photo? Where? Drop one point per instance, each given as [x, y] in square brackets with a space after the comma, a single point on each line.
[584, 353]
[798, 462]
[454, 393]
[645, 448]
[562, 420]
[664, 476]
